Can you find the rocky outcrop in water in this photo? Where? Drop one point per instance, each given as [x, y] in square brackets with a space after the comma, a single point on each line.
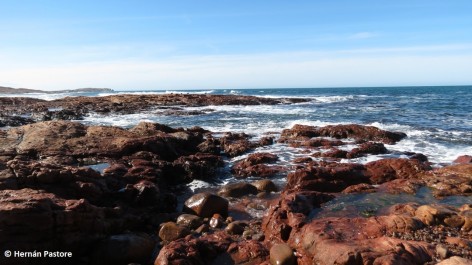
[127, 211]
[164, 104]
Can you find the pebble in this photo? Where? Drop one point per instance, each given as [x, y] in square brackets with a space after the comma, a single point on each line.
[217, 221]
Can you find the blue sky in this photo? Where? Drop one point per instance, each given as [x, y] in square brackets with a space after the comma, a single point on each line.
[234, 44]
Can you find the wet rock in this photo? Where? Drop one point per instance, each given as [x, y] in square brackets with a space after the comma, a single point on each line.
[282, 254]
[202, 250]
[363, 187]
[253, 166]
[384, 170]
[249, 252]
[198, 166]
[357, 241]
[234, 228]
[265, 185]
[202, 229]
[335, 153]
[329, 178]
[124, 249]
[367, 148]
[170, 231]
[189, 220]
[206, 204]
[210, 146]
[465, 159]
[302, 160]
[217, 221]
[358, 132]
[267, 140]
[13, 121]
[237, 190]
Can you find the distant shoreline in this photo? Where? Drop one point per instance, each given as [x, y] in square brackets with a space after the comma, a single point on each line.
[10, 90]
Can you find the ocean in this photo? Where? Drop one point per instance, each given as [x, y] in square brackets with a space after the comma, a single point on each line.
[437, 120]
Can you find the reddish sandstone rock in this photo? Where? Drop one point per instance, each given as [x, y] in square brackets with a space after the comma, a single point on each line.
[384, 170]
[357, 241]
[450, 180]
[59, 138]
[289, 213]
[29, 216]
[247, 252]
[358, 132]
[367, 148]
[328, 178]
[465, 159]
[202, 250]
[253, 166]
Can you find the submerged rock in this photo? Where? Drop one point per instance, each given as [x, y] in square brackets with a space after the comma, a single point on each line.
[237, 190]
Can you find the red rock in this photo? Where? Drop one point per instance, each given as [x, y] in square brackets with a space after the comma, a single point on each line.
[29, 216]
[384, 170]
[465, 159]
[202, 250]
[358, 132]
[248, 252]
[253, 166]
[450, 180]
[367, 148]
[330, 178]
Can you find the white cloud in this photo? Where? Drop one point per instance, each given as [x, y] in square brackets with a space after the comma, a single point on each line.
[362, 35]
[371, 67]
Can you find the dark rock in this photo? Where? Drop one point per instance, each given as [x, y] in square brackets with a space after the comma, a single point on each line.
[234, 229]
[206, 204]
[189, 220]
[266, 185]
[124, 249]
[237, 190]
[170, 231]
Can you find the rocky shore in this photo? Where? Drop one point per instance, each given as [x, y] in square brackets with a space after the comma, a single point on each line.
[112, 195]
